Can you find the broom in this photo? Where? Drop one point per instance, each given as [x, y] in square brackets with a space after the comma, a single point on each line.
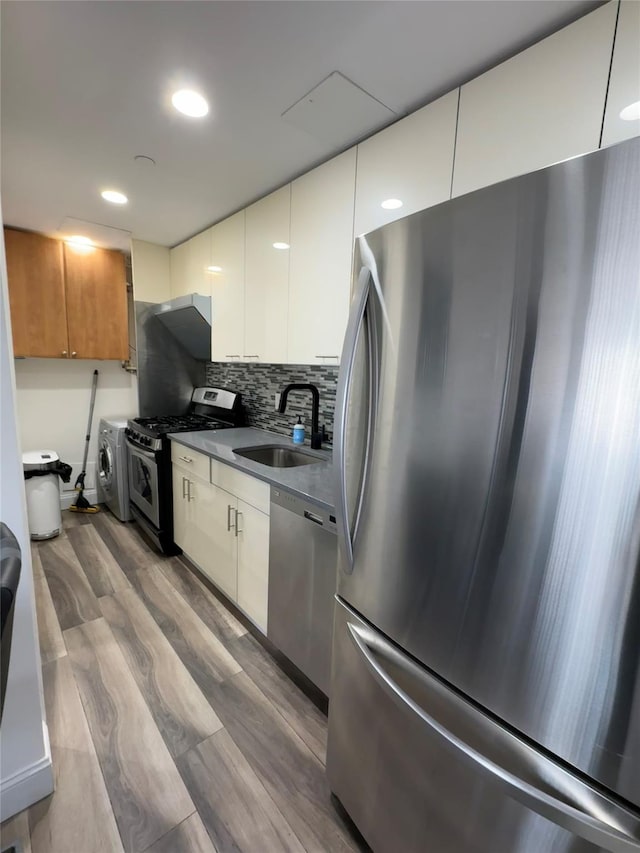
[82, 504]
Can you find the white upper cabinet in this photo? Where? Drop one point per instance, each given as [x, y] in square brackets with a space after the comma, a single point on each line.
[227, 289]
[411, 162]
[267, 278]
[624, 84]
[544, 105]
[189, 263]
[322, 203]
[179, 264]
[151, 271]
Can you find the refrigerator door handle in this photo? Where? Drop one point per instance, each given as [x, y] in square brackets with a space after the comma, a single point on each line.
[521, 771]
[352, 336]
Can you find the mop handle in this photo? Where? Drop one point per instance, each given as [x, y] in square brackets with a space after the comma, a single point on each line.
[94, 387]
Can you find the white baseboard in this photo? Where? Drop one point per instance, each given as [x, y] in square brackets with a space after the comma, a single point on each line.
[28, 785]
[68, 498]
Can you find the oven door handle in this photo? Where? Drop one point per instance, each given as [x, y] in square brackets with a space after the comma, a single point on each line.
[148, 454]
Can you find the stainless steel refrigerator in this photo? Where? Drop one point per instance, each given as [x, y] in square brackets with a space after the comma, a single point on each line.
[485, 693]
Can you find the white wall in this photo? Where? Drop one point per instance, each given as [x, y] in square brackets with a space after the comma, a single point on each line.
[25, 760]
[151, 271]
[53, 406]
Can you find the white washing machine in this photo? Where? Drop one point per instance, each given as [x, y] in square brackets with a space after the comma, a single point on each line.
[112, 479]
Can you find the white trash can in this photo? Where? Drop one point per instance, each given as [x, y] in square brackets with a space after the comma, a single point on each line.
[43, 493]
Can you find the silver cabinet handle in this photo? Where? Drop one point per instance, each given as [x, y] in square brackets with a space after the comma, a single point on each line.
[184, 487]
[189, 496]
[238, 517]
[186, 459]
[74, 354]
[229, 508]
[64, 353]
[251, 356]
[524, 773]
[328, 356]
[232, 356]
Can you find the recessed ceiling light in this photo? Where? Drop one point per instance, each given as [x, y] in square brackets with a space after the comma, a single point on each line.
[391, 203]
[114, 197]
[280, 245]
[79, 243]
[214, 268]
[190, 103]
[631, 113]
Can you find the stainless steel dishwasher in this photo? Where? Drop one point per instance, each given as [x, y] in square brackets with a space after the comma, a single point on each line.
[303, 551]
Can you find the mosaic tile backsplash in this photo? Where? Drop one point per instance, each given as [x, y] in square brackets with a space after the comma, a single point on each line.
[259, 383]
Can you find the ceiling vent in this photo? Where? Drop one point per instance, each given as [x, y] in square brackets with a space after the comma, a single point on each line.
[338, 112]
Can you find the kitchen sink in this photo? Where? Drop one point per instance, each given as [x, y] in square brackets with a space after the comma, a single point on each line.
[277, 456]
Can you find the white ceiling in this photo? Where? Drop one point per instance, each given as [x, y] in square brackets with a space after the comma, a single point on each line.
[86, 86]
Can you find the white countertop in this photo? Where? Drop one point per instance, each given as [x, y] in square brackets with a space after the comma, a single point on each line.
[314, 482]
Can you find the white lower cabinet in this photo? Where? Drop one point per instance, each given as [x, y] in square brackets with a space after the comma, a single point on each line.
[219, 560]
[224, 535]
[181, 507]
[202, 518]
[253, 563]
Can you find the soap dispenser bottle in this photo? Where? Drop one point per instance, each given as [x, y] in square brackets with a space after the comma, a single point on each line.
[298, 432]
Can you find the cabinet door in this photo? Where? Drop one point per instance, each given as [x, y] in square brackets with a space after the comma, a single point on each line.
[253, 563]
[320, 265]
[190, 262]
[227, 289]
[267, 278]
[151, 269]
[36, 294]
[624, 83]
[180, 508]
[214, 544]
[96, 291]
[410, 162]
[179, 265]
[544, 105]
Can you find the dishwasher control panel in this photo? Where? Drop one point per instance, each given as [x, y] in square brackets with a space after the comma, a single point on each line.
[305, 509]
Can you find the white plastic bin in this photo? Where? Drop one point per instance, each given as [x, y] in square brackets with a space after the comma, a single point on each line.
[43, 493]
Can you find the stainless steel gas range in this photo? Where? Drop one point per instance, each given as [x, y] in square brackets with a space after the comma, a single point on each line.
[149, 456]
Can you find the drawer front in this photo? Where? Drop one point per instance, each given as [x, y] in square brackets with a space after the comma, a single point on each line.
[190, 460]
[243, 486]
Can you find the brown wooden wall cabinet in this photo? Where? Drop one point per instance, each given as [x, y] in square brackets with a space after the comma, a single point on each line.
[36, 294]
[65, 303]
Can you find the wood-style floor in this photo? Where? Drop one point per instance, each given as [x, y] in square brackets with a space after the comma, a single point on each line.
[172, 730]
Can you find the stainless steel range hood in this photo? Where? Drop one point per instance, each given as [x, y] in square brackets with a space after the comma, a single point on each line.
[188, 318]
